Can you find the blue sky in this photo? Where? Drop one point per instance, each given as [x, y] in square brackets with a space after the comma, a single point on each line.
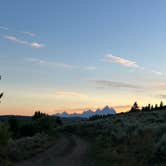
[78, 54]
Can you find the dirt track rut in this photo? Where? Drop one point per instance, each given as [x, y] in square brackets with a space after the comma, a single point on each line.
[68, 151]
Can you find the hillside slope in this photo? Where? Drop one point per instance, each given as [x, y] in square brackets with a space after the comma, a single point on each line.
[137, 138]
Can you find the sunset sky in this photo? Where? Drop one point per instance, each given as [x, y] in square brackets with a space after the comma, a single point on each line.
[71, 55]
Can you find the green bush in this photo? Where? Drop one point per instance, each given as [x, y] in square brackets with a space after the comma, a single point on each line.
[28, 146]
[4, 134]
[161, 146]
[136, 138]
[4, 138]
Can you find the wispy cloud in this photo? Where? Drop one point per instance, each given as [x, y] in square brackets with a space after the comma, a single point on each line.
[58, 64]
[35, 60]
[4, 28]
[157, 72]
[48, 63]
[129, 63]
[162, 96]
[16, 40]
[36, 45]
[23, 32]
[157, 87]
[122, 61]
[69, 94]
[28, 33]
[24, 42]
[114, 84]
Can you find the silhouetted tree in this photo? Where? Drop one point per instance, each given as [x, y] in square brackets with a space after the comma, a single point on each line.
[156, 107]
[149, 107]
[152, 108]
[143, 109]
[38, 115]
[161, 105]
[1, 94]
[135, 107]
[44, 122]
[146, 108]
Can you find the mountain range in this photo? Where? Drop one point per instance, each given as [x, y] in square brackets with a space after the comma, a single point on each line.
[89, 113]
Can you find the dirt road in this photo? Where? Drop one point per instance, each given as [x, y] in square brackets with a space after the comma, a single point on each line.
[68, 151]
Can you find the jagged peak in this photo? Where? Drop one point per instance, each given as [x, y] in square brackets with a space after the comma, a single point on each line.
[88, 113]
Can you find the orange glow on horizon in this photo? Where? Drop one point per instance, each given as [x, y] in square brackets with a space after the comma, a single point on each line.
[30, 111]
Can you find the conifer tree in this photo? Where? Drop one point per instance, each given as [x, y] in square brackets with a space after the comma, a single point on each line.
[156, 107]
[135, 107]
[1, 94]
[161, 105]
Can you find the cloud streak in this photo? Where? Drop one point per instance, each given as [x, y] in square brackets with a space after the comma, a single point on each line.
[162, 96]
[69, 94]
[114, 84]
[23, 32]
[29, 33]
[59, 64]
[24, 42]
[48, 63]
[157, 72]
[129, 63]
[4, 28]
[124, 62]
[158, 87]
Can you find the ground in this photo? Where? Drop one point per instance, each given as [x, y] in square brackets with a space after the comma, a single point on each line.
[69, 150]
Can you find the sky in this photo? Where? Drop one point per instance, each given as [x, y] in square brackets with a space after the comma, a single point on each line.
[61, 55]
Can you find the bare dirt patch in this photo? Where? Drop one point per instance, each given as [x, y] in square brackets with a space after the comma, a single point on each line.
[69, 150]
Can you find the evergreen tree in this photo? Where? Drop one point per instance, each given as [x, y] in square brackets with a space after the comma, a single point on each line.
[156, 107]
[38, 115]
[161, 105]
[1, 94]
[152, 108]
[135, 107]
[148, 107]
[143, 109]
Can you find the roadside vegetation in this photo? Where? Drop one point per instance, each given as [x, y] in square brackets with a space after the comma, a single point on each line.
[137, 137]
[134, 138]
[21, 139]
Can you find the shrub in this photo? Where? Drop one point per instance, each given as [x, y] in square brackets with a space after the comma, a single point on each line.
[14, 127]
[26, 147]
[4, 134]
[161, 146]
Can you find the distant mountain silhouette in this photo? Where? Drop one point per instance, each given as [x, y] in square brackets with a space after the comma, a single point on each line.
[89, 113]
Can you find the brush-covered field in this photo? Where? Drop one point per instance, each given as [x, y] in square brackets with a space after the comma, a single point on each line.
[126, 139]
[22, 138]
[135, 138]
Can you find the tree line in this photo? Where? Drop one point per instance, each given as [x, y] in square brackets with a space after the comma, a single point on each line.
[149, 107]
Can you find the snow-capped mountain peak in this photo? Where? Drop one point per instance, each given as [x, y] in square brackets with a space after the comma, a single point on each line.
[89, 113]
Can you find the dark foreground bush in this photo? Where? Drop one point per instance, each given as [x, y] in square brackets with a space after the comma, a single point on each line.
[4, 137]
[21, 139]
[129, 139]
[4, 134]
[26, 147]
